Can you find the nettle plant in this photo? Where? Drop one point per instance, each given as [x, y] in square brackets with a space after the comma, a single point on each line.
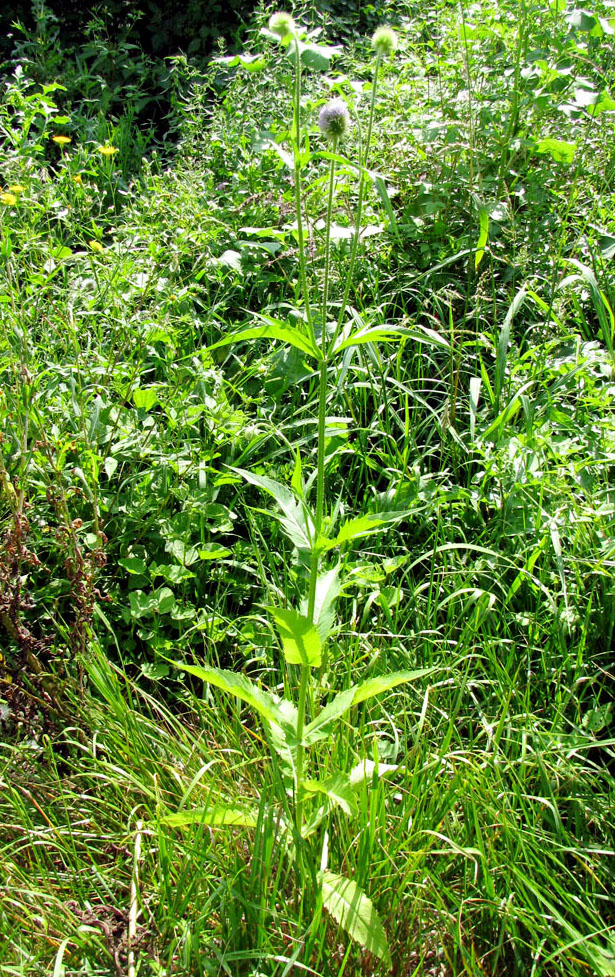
[300, 731]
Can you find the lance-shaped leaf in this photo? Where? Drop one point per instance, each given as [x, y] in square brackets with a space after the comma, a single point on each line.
[355, 913]
[241, 687]
[213, 815]
[321, 726]
[296, 519]
[483, 230]
[338, 789]
[271, 328]
[371, 334]
[327, 590]
[367, 524]
[301, 642]
[283, 739]
[382, 683]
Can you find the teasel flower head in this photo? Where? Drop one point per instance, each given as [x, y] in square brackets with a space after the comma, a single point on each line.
[333, 119]
[282, 24]
[384, 42]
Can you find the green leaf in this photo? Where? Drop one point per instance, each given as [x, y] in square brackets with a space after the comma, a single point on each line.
[251, 62]
[134, 564]
[316, 56]
[229, 259]
[382, 683]
[240, 686]
[355, 913]
[272, 329]
[183, 552]
[216, 814]
[213, 551]
[420, 334]
[366, 770]
[483, 231]
[338, 789]
[595, 102]
[327, 590]
[296, 519]
[381, 189]
[321, 726]
[145, 398]
[142, 605]
[503, 341]
[561, 152]
[301, 641]
[372, 334]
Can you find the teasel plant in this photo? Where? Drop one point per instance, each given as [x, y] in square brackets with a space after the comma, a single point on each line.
[299, 730]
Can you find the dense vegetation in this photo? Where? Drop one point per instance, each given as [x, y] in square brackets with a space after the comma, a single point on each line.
[306, 562]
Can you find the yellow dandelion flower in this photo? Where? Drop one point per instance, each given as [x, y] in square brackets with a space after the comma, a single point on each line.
[96, 246]
[108, 150]
[62, 140]
[8, 198]
[78, 178]
[17, 188]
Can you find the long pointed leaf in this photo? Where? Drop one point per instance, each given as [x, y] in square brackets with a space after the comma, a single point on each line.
[240, 686]
[271, 329]
[216, 814]
[382, 683]
[355, 913]
[296, 519]
[321, 726]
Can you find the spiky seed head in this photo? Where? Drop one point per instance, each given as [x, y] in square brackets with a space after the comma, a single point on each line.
[333, 119]
[384, 42]
[282, 24]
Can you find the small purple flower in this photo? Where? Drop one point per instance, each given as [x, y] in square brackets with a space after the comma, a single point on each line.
[333, 119]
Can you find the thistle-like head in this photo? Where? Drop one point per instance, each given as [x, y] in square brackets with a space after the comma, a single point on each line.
[333, 119]
[282, 24]
[384, 42]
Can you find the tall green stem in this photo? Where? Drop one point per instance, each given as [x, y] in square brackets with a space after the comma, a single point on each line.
[325, 287]
[298, 195]
[357, 232]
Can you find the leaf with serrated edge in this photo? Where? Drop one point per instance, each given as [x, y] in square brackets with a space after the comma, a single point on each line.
[355, 913]
[296, 519]
[240, 686]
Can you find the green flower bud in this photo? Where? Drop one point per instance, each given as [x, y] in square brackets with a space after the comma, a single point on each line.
[384, 42]
[282, 24]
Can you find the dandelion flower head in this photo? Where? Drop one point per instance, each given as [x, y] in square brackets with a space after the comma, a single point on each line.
[62, 140]
[108, 150]
[8, 198]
